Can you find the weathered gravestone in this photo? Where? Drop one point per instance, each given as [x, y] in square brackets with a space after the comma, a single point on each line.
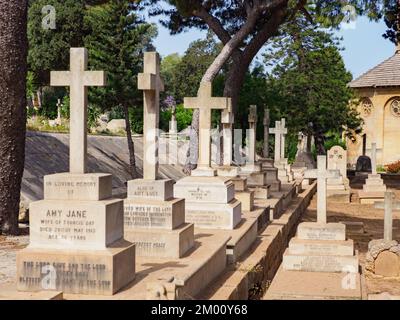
[363, 165]
[154, 219]
[338, 189]
[256, 177]
[279, 163]
[374, 188]
[76, 233]
[383, 256]
[209, 200]
[321, 246]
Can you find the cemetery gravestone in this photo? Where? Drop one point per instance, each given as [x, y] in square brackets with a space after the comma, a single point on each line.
[321, 246]
[383, 256]
[338, 189]
[209, 200]
[374, 188]
[154, 219]
[76, 232]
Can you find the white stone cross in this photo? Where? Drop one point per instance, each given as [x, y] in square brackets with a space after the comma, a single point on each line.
[266, 133]
[284, 133]
[251, 142]
[78, 79]
[373, 157]
[321, 174]
[151, 84]
[205, 103]
[389, 205]
[59, 105]
[227, 120]
[277, 131]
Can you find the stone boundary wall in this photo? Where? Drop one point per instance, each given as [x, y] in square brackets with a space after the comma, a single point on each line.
[250, 277]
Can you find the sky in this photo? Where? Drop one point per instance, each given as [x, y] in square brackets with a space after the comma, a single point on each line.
[362, 40]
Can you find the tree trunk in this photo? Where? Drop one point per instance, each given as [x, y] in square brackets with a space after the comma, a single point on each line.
[13, 71]
[131, 145]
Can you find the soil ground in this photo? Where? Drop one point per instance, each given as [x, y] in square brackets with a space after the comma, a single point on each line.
[373, 229]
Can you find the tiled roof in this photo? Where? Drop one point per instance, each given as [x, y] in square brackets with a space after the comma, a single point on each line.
[384, 74]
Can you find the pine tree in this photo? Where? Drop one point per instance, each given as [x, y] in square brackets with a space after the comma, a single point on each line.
[117, 39]
[311, 80]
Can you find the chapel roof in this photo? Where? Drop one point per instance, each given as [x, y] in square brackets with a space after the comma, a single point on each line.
[383, 75]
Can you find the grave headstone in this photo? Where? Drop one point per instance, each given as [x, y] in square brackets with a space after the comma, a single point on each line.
[338, 188]
[374, 188]
[205, 102]
[76, 232]
[321, 246]
[209, 200]
[383, 256]
[154, 219]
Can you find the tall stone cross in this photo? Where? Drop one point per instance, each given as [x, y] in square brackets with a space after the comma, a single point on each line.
[373, 157]
[283, 137]
[205, 103]
[151, 84]
[251, 143]
[266, 133]
[227, 120]
[389, 205]
[277, 131]
[78, 79]
[59, 105]
[321, 174]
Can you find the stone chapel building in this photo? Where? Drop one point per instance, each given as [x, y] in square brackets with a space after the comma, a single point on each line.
[379, 93]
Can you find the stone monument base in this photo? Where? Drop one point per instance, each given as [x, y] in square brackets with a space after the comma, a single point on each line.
[321, 248]
[246, 198]
[98, 272]
[272, 178]
[162, 243]
[214, 215]
[255, 178]
[301, 285]
[227, 171]
[371, 197]
[261, 192]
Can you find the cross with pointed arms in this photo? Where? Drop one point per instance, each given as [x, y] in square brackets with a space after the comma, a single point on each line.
[78, 79]
[205, 103]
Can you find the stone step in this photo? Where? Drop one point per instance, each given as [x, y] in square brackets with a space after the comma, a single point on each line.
[171, 244]
[374, 188]
[321, 247]
[300, 285]
[320, 263]
[214, 215]
[317, 231]
[374, 182]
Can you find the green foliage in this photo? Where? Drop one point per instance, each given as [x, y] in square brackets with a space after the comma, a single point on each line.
[183, 117]
[116, 42]
[190, 70]
[48, 48]
[168, 72]
[335, 140]
[310, 80]
[136, 119]
[165, 118]
[380, 169]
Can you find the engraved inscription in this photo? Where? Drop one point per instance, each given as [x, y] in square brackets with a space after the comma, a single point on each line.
[147, 216]
[66, 276]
